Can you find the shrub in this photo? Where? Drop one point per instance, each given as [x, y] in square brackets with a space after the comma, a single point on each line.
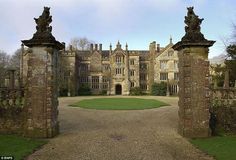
[84, 90]
[63, 92]
[103, 92]
[136, 91]
[159, 89]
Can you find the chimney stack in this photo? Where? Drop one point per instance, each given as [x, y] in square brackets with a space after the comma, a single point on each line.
[96, 47]
[158, 47]
[91, 47]
[152, 46]
[100, 47]
[70, 47]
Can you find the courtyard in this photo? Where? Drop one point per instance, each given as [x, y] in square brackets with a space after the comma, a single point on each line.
[88, 134]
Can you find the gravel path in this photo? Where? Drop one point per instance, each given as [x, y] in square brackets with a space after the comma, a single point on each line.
[118, 135]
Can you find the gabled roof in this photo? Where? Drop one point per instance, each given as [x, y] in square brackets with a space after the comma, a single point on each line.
[170, 45]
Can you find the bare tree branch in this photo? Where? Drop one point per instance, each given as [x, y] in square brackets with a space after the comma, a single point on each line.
[78, 43]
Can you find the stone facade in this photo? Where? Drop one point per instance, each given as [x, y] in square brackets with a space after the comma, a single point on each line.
[117, 70]
[166, 68]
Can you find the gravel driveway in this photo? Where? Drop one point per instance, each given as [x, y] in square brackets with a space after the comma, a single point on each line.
[118, 135]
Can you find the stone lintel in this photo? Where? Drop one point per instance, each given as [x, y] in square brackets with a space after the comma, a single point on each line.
[50, 43]
[182, 44]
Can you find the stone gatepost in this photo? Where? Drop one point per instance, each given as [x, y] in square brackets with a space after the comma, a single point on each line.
[41, 90]
[194, 93]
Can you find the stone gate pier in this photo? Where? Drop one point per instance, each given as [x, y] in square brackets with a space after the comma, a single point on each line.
[194, 92]
[41, 83]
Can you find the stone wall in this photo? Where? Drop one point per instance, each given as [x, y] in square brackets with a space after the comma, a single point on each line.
[11, 111]
[223, 106]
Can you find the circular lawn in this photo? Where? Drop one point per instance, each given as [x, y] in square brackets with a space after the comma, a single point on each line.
[119, 103]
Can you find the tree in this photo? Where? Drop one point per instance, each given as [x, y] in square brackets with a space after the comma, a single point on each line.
[218, 74]
[15, 59]
[231, 63]
[80, 43]
[4, 63]
[231, 51]
[4, 59]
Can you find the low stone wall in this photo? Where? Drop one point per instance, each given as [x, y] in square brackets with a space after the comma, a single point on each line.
[223, 107]
[11, 111]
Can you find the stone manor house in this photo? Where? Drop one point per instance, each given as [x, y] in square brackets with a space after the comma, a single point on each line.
[116, 71]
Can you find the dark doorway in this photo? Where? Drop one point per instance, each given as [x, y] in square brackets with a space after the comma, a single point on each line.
[118, 89]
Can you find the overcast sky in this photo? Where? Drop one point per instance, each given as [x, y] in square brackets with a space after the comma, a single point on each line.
[137, 22]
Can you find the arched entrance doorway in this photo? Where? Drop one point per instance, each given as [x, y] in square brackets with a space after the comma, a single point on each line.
[118, 89]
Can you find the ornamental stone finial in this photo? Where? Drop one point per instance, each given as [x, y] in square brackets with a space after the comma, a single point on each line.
[43, 34]
[192, 28]
[171, 42]
[126, 46]
[118, 45]
[193, 35]
[43, 21]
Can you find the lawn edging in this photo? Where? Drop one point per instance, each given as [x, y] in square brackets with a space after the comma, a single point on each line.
[119, 104]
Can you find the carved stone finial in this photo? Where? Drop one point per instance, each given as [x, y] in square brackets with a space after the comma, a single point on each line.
[43, 29]
[126, 46]
[43, 21]
[43, 34]
[118, 45]
[110, 47]
[193, 35]
[192, 28]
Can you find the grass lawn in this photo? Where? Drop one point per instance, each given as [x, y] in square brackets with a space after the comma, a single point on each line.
[119, 103]
[19, 147]
[222, 148]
